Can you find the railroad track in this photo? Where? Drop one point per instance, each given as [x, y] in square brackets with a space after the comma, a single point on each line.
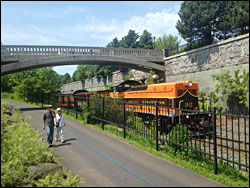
[230, 144]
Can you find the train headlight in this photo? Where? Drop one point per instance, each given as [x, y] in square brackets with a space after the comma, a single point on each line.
[190, 83]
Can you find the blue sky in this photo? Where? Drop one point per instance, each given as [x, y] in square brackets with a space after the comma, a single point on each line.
[84, 23]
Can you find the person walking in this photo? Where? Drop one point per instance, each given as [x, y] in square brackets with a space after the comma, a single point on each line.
[48, 123]
[59, 122]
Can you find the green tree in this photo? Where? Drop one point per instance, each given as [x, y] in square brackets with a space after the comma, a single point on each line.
[79, 74]
[233, 18]
[167, 42]
[198, 20]
[66, 78]
[114, 44]
[130, 40]
[5, 84]
[43, 80]
[203, 22]
[50, 80]
[146, 40]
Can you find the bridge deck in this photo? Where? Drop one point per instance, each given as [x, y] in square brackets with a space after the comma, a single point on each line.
[16, 58]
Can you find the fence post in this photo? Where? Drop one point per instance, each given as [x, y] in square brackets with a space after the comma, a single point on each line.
[68, 106]
[88, 99]
[76, 103]
[124, 120]
[203, 107]
[102, 113]
[214, 140]
[156, 124]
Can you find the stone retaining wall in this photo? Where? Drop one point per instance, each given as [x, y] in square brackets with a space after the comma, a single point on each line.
[95, 84]
[199, 64]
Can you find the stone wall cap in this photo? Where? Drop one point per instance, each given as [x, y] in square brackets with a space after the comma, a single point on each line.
[209, 46]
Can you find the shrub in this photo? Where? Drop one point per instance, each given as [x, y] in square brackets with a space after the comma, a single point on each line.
[234, 88]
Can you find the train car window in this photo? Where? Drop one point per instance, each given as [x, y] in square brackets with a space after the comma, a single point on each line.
[138, 88]
[193, 91]
[180, 92]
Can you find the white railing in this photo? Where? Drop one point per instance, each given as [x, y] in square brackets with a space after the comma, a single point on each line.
[77, 50]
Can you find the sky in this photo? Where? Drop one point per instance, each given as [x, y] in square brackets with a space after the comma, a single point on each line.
[84, 23]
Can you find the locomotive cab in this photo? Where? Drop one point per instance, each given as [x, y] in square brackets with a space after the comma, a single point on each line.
[118, 89]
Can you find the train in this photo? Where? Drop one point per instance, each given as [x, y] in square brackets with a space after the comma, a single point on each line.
[169, 97]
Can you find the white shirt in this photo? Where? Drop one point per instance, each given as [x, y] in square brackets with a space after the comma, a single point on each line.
[61, 123]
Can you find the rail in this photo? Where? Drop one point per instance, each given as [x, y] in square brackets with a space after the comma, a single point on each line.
[77, 50]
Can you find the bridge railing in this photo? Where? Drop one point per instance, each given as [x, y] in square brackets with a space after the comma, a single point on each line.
[76, 50]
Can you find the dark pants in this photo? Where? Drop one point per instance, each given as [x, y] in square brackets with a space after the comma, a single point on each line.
[50, 133]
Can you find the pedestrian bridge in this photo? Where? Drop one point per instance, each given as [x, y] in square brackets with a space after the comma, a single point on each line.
[16, 58]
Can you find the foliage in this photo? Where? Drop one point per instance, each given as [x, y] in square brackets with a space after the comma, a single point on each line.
[55, 180]
[198, 20]
[234, 88]
[88, 71]
[210, 21]
[94, 109]
[114, 44]
[178, 135]
[146, 40]
[210, 100]
[233, 19]
[130, 40]
[21, 147]
[127, 77]
[43, 80]
[150, 80]
[167, 42]
[108, 86]
[66, 78]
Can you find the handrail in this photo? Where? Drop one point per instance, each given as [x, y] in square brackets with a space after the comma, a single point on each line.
[76, 50]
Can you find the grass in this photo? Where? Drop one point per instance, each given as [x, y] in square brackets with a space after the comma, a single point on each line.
[187, 159]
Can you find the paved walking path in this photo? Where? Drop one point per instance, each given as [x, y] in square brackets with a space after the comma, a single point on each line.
[105, 161]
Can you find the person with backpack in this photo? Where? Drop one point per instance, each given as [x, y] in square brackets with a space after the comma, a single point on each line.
[48, 123]
[59, 122]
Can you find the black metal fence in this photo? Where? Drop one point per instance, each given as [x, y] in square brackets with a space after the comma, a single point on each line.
[221, 136]
[39, 98]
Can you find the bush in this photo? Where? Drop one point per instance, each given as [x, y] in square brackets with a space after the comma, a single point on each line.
[211, 102]
[235, 89]
[56, 180]
[113, 109]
